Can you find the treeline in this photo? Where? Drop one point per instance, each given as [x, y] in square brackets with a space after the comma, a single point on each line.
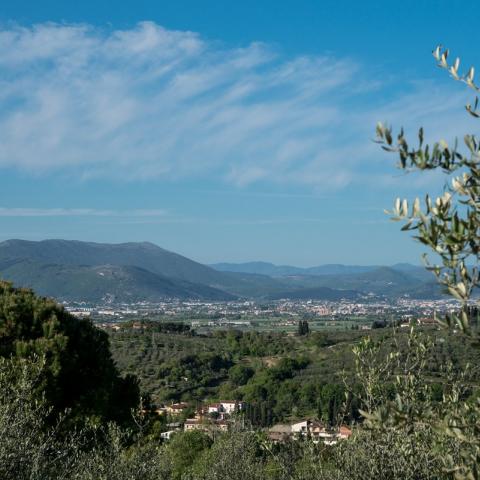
[157, 327]
[79, 374]
[256, 344]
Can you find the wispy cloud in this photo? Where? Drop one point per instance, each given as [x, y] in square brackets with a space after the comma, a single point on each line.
[77, 212]
[147, 103]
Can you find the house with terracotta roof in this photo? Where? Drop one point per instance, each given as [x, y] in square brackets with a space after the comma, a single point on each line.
[222, 410]
[280, 432]
[344, 432]
[176, 408]
[195, 424]
[205, 425]
[314, 429]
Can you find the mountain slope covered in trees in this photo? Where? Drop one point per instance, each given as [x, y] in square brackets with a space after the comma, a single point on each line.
[129, 272]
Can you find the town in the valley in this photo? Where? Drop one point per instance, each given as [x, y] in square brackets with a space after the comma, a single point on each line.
[280, 315]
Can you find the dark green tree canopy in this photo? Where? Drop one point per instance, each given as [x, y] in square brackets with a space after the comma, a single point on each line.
[80, 374]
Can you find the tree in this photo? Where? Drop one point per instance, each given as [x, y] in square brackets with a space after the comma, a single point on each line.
[450, 227]
[240, 374]
[303, 327]
[185, 449]
[79, 372]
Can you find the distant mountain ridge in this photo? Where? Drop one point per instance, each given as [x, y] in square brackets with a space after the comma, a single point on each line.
[145, 255]
[124, 283]
[129, 272]
[140, 271]
[270, 269]
[397, 280]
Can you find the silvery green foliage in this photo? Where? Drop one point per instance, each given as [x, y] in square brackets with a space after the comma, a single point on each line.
[111, 459]
[233, 456]
[390, 454]
[399, 438]
[449, 225]
[31, 448]
[28, 450]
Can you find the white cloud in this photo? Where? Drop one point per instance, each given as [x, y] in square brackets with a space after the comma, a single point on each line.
[150, 103]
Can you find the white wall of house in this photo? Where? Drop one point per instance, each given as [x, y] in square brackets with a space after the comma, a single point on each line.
[231, 407]
[300, 427]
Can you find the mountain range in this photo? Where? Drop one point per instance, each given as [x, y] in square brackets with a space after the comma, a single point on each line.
[265, 268]
[129, 272]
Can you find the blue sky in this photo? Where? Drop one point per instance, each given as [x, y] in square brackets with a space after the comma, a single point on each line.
[225, 131]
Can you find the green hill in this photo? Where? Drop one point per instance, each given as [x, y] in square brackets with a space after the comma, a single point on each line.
[104, 282]
[126, 272]
[143, 255]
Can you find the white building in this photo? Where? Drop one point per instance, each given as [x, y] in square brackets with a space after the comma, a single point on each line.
[167, 435]
[231, 406]
[226, 407]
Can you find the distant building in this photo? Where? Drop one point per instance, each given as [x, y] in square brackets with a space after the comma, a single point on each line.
[231, 406]
[167, 435]
[194, 424]
[205, 425]
[344, 432]
[427, 321]
[314, 429]
[280, 432]
[224, 408]
[176, 408]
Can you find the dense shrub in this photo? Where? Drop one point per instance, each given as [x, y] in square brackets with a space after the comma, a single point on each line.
[79, 373]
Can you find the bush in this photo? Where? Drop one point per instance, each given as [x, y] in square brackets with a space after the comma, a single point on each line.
[79, 373]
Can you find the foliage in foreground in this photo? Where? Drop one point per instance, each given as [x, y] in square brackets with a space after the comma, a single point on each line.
[449, 226]
[79, 373]
[30, 449]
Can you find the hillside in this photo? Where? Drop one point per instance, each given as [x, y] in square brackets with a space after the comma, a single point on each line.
[104, 283]
[64, 269]
[74, 270]
[316, 293]
[144, 255]
[398, 280]
[259, 268]
[265, 268]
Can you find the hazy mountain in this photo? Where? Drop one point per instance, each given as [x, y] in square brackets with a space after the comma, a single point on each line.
[144, 255]
[136, 271]
[382, 281]
[399, 279]
[265, 268]
[101, 282]
[318, 293]
[259, 268]
[416, 271]
[166, 273]
[338, 269]
[347, 280]
[43, 266]
[255, 285]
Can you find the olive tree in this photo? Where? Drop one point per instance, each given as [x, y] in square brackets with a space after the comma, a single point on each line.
[450, 226]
